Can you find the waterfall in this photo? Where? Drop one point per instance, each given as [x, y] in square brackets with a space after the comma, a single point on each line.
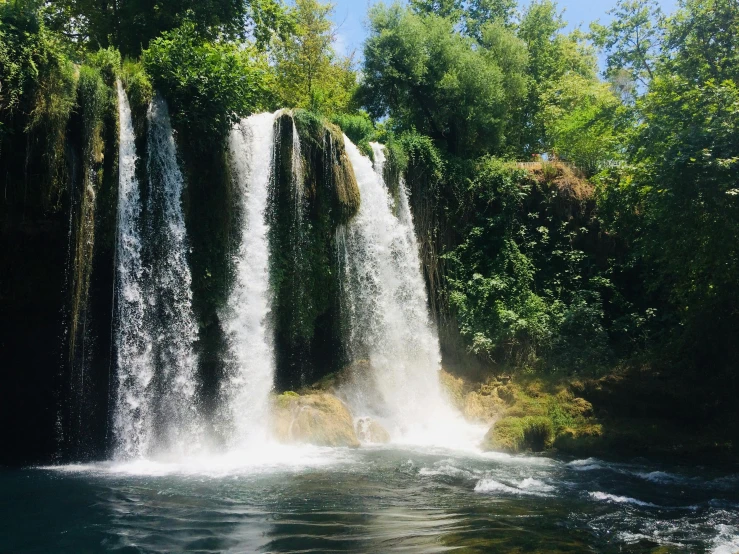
[297, 172]
[133, 426]
[155, 409]
[389, 322]
[173, 324]
[250, 367]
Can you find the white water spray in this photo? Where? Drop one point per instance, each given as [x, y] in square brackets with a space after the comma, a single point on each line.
[250, 367]
[388, 316]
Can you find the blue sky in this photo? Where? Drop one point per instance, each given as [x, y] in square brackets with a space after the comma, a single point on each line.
[350, 17]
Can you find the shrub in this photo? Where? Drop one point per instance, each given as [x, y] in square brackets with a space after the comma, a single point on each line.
[358, 127]
[108, 61]
[210, 85]
[517, 434]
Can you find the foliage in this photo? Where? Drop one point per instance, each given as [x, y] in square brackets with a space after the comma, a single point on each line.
[309, 73]
[108, 61]
[581, 121]
[519, 282]
[210, 85]
[37, 94]
[32, 62]
[551, 55]
[428, 77]
[358, 127]
[632, 40]
[130, 26]
[137, 83]
[471, 14]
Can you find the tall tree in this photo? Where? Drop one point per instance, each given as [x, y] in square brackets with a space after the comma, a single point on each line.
[632, 40]
[310, 74]
[425, 74]
[551, 55]
[683, 191]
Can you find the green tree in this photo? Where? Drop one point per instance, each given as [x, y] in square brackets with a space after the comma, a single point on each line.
[424, 74]
[309, 72]
[680, 202]
[581, 120]
[209, 85]
[632, 40]
[551, 55]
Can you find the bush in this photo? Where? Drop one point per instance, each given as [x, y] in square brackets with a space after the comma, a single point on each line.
[137, 84]
[108, 61]
[209, 85]
[518, 434]
[358, 127]
[37, 95]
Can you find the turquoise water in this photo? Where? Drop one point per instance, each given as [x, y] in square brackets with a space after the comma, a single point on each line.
[370, 500]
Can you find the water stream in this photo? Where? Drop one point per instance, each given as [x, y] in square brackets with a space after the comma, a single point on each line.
[389, 320]
[133, 425]
[250, 366]
[156, 409]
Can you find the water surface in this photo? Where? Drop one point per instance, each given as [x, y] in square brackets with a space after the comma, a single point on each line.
[391, 499]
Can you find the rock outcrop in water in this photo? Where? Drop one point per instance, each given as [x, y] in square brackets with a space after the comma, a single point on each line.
[320, 419]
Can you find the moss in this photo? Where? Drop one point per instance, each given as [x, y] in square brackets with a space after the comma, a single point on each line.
[304, 271]
[455, 388]
[93, 98]
[319, 419]
[518, 434]
[323, 142]
[140, 93]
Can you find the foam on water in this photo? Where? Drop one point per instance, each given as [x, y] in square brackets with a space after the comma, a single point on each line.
[530, 487]
[605, 497]
[269, 458]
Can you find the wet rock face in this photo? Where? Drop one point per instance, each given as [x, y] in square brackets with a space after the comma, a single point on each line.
[318, 419]
[369, 431]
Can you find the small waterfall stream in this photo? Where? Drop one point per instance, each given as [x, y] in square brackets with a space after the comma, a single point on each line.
[250, 367]
[388, 314]
[132, 420]
[156, 410]
[173, 325]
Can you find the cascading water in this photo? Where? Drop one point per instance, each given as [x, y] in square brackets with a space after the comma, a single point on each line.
[133, 419]
[173, 324]
[156, 410]
[250, 367]
[388, 316]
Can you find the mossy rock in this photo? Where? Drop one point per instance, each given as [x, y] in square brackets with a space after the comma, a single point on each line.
[519, 434]
[454, 387]
[482, 408]
[369, 430]
[319, 419]
[324, 141]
